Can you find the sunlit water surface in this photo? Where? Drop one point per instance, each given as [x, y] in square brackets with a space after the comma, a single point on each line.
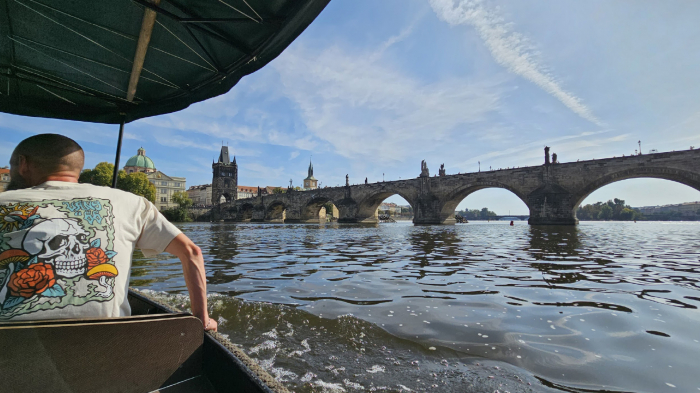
[332, 307]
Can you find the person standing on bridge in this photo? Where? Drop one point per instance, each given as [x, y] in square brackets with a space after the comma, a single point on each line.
[66, 248]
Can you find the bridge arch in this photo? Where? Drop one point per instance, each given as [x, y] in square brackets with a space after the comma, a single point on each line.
[312, 209]
[367, 207]
[450, 203]
[687, 178]
[275, 212]
[245, 212]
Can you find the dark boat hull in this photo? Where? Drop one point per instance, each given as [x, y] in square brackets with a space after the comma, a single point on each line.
[154, 350]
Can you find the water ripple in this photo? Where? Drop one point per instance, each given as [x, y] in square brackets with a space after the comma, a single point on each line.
[598, 307]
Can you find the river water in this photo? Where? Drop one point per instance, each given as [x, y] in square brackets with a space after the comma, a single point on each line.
[604, 306]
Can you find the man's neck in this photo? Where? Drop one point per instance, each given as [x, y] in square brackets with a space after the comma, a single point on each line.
[68, 178]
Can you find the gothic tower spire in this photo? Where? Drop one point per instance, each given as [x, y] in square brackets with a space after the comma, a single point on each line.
[225, 178]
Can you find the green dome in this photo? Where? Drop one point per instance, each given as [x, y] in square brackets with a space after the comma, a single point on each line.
[140, 160]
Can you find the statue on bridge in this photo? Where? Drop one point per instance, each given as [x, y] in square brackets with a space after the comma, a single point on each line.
[554, 158]
[546, 155]
[347, 181]
[424, 169]
[365, 180]
[441, 172]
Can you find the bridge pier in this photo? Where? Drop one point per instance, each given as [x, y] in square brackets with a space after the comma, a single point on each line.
[427, 210]
[258, 213]
[293, 216]
[551, 205]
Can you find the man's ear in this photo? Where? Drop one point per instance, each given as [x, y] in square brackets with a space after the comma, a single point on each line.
[23, 166]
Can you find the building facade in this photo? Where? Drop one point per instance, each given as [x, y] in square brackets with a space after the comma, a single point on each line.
[4, 178]
[225, 178]
[310, 183]
[246, 192]
[166, 186]
[687, 210]
[200, 195]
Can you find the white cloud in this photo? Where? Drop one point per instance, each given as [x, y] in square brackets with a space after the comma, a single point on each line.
[366, 108]
[260, 171]
[523, 153]
[293, 155]
[508, 48]
[129, 135]
[226, 128]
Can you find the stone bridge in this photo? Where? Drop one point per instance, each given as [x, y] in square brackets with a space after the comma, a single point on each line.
[552, 192]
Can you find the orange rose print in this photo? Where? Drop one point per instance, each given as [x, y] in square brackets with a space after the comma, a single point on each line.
[34, 279]
[95, 256]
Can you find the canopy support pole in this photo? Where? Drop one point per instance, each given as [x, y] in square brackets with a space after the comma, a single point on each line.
[119, 152]
[149, 20]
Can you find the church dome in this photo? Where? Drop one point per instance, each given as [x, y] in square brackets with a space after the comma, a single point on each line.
[141, 161]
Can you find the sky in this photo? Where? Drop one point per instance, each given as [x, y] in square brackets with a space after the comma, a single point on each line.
[371, 88]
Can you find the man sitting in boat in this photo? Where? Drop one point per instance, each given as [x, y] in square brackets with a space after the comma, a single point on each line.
[65, 247]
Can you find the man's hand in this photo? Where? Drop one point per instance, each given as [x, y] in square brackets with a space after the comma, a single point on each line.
[211, 325]
[195, 277]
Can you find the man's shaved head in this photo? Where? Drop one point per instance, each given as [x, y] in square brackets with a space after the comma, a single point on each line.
[41, 156]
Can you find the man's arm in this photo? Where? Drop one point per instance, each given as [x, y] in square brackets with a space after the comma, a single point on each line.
[195, 277]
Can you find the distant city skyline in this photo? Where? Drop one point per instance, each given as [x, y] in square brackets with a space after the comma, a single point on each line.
[372, 88]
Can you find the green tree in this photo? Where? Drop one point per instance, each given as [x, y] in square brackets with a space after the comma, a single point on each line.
[606, 212]
[101, 175]
[135, 183]
[277, 190]
[627, 214]
[484, 213]
[614, 209]
[138, 183]
[181, 198]
[176, 214]
[329, 208]
[179, 213]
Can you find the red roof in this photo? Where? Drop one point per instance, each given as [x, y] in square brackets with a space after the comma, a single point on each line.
[247, 189]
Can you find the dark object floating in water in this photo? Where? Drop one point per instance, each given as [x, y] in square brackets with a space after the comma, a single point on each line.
[654, 332]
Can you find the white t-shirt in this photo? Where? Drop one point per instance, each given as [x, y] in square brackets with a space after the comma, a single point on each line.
[65, 249]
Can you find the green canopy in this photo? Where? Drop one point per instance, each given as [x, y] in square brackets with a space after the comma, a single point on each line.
[79, 60]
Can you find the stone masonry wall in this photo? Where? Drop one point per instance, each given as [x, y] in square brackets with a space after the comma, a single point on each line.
[551, 192]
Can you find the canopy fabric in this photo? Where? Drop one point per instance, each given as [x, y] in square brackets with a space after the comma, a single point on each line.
[73, 59]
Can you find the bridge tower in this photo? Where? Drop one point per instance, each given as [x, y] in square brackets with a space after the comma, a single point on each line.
[310, 183]
[225, 178]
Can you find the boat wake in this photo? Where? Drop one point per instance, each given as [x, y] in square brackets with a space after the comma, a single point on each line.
[308, 353]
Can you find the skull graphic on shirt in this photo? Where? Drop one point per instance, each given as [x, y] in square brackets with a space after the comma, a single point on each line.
[60, 242]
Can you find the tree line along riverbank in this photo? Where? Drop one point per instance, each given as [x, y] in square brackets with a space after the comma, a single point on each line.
[612, 210]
